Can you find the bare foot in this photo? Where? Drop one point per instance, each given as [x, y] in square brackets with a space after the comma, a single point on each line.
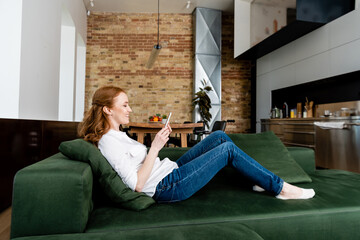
[292, 192]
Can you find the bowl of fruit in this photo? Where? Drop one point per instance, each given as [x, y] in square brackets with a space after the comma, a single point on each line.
[157, 118]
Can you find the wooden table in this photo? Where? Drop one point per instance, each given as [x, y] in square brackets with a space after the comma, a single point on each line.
[140, 129]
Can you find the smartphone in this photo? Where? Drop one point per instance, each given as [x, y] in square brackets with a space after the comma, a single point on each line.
[168, 120]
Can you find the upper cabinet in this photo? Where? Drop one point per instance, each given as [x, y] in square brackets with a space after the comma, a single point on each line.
[262, 26]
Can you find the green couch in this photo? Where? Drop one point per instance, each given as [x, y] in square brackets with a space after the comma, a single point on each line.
[58, 198]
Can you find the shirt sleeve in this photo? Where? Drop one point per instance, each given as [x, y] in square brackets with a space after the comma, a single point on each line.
[118, 155]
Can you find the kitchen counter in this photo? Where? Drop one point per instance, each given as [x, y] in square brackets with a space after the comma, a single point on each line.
[293, 131]
[334, 148]
[314, 119]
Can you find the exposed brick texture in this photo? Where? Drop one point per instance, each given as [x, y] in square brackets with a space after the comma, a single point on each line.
[236, 83]
[119, 45]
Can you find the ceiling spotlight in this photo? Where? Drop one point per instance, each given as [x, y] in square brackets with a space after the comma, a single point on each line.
[88, 12]
[188, 4]
[92, 3]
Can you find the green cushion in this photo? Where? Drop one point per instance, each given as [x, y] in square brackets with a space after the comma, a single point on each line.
[269, 151]
[305, 157]
[109, 180]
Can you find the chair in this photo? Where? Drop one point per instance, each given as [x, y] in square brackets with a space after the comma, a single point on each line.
[127, 131]
[218, 125]
[176, 140]
[190, 142]
[198, 132]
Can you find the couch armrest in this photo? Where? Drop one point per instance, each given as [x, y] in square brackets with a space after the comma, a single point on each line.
[52, 196]
[305, 157]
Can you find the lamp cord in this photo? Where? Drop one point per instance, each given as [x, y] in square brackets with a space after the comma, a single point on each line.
[158, 20]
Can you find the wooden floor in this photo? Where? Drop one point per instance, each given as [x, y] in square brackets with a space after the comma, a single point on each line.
[5, 220]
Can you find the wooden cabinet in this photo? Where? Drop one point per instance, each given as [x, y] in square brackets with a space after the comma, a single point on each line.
[292, 132]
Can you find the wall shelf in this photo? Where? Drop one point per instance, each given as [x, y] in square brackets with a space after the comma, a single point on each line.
[309, 15]
[282, 37]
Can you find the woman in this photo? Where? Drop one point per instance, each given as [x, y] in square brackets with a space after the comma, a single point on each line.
[164, 180]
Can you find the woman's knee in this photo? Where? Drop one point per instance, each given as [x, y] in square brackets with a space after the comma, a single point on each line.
[229, 145]
[222, 135]
[226, 148]
[218, 133]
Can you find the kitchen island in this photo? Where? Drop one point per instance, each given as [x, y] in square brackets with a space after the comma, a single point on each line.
[334, 148]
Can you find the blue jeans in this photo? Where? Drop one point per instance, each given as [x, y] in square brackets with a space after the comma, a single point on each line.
[201, 163]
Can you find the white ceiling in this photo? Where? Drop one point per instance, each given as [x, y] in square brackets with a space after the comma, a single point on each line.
[173, 6]
[282, 3]
[151, 6]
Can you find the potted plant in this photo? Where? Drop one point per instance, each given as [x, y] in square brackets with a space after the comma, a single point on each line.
[164, 117]
[202, 100]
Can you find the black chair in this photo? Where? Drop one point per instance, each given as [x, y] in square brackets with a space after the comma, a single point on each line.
[200, 132]
[127, 131]
[175, 140]
[218, 125]
[197, 132]
[189, 138]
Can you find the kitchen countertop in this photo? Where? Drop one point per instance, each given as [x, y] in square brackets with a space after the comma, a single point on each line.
[352, 118]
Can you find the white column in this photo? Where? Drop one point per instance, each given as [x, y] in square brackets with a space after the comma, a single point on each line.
[67, 74]
[10, 48]
[80, 79]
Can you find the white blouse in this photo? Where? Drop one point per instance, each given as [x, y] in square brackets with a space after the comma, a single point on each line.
[126, 156]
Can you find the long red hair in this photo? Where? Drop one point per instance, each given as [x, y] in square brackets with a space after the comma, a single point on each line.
[95, 123]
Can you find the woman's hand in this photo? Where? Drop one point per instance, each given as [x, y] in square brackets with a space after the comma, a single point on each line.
[161, 138]
[144, 173]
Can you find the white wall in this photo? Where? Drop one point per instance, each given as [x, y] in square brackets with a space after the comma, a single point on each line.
[328, 51]
[40, 55]
[10, 23]
[40, 59]
[251, 21]
[242, 10]
[262, 21]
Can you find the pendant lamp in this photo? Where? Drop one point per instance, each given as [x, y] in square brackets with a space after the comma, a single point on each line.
[156, 49]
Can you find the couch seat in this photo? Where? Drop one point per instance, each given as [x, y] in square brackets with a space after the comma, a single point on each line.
[229, 199]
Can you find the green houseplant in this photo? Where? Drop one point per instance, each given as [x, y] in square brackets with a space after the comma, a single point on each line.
[202, 100]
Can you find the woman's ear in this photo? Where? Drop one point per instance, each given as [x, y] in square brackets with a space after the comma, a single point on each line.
[106, 110]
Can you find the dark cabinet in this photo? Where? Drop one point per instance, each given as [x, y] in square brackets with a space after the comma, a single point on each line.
[24, 142]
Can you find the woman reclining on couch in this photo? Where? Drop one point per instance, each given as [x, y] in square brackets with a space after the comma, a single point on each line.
[165, 180]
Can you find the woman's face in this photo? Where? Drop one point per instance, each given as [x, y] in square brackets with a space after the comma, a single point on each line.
[121, 110]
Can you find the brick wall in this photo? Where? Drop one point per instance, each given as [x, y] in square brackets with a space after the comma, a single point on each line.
[236, 83]
[119, 45]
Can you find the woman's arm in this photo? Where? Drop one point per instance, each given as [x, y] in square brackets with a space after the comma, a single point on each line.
[144, 173]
